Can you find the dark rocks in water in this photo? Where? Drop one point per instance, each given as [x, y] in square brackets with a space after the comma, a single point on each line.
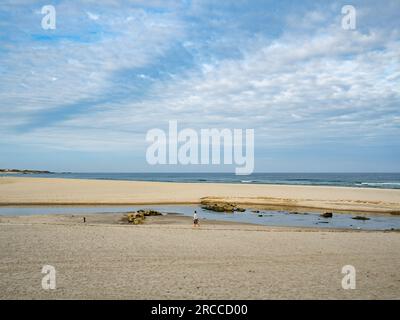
[150, 212]
[221, 207]
[217, 207]
[260, 215]
[360, 218]
[255, 211]
[296, 212]
[326, 215]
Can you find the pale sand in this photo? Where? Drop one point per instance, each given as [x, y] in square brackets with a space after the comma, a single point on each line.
[165, 258]
[16, 190]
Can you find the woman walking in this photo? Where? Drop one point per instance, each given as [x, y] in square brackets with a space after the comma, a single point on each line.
[195, 220]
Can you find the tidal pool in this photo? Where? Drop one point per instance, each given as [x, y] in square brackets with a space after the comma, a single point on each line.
[263, 217]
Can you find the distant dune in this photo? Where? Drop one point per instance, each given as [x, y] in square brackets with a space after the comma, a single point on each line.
[25, 171]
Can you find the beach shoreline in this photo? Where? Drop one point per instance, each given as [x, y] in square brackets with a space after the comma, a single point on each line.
[173, 219]
[55, 191]
[166, 258]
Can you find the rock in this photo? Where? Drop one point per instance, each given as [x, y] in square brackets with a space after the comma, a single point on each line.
[293, 212]
[139, 216]
[326, 215]
[137, 221]
[221, 207]
[135, 217]
[256, 211]
[260, 215]
[149, 212]
[217, 207]
[360, 218]
[128, 217]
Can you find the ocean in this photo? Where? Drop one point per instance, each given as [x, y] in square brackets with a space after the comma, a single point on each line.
[364, 180]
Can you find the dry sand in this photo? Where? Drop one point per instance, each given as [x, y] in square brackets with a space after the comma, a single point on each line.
[16, 190]
[166, 258]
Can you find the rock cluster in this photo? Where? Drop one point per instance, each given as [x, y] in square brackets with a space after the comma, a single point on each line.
[221, 206]
[139, 216]
[327, 215]
[150, 212]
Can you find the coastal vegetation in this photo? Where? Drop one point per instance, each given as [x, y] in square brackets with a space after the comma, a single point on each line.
[25, 171]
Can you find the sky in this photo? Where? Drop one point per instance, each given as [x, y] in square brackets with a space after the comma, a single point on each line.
[83, 96]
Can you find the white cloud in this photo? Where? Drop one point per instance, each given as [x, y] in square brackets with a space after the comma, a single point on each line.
[51, 75]
[291, 88]
[92, 16]
[303, 87]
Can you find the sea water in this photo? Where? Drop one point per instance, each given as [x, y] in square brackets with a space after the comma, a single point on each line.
[364, 180]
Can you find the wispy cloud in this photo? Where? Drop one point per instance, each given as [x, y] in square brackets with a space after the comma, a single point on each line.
[131, 67]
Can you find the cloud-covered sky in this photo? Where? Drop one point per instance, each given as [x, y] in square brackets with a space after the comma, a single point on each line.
[82, 97]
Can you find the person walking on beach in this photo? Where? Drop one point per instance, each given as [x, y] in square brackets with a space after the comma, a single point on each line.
[195, 220]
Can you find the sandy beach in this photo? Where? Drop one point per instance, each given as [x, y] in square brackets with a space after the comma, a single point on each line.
[165, 258]
[21, 190]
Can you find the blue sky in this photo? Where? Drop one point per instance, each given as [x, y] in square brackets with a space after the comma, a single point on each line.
[83, 96]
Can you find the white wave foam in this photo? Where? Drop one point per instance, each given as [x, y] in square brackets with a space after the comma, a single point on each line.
[381, 183]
